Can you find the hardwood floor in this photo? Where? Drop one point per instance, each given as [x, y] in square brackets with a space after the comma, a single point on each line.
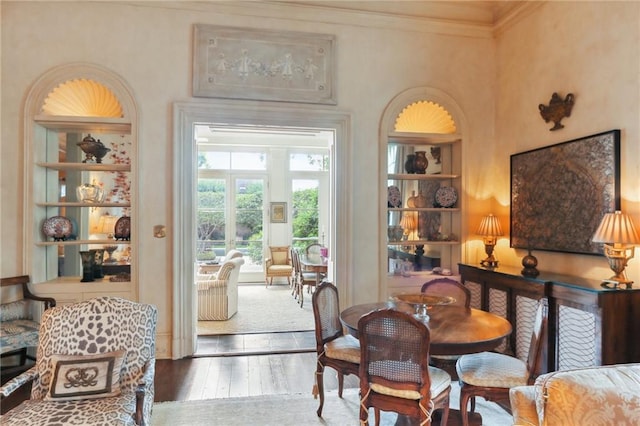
[234, 372]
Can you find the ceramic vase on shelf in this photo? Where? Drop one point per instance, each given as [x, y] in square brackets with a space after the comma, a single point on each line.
[411, 201]
[409, 165]
[421, 163]
[97, 265]
[420, 200]
[88, 260]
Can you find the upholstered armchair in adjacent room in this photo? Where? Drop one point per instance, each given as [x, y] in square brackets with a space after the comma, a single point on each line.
[95, 366]
[279, 264]
[218, 294]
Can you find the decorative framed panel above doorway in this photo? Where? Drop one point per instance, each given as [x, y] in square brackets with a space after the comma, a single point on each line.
[241, 63]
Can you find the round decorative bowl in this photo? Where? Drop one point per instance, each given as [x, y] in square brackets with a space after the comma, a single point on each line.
[57, 227]
[422, 302]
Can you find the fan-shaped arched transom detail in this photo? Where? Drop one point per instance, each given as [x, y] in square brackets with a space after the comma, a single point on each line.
[425, 117]
[82, 98]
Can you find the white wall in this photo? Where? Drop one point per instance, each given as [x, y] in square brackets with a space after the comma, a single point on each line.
[149, 45]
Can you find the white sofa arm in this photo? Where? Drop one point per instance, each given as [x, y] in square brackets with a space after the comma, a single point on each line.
[523, 406]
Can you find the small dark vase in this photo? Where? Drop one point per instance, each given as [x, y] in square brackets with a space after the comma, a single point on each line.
[409, 165]
[97, 265]
[530, 262]
[88, 260]
[421, 163]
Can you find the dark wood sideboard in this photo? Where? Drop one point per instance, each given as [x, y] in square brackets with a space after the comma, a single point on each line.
[589, 324]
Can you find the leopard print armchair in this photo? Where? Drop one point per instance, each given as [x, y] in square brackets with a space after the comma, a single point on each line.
[95, 366]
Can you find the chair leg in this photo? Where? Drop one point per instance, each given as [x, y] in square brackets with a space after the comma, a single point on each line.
[464, 400]
[445, 414]
[320, 382]
[340, 383]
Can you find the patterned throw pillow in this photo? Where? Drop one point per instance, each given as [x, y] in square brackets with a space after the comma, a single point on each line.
[85, 376]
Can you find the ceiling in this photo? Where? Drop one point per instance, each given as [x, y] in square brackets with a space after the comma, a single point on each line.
[468, 11]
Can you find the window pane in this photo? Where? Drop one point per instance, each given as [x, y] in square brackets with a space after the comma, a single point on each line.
[214, 160]
[210, 219]
[305, 212]
[249, 214]
[248, 161]
[308, 162]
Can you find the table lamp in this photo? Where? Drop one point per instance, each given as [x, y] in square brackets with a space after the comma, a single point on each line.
[107, 224]
[408, 224]
[490, 230]
[619, 236]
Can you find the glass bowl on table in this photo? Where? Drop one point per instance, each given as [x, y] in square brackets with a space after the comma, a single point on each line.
[420, 303]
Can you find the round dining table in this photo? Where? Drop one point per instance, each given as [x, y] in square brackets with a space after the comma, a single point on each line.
[455, 330]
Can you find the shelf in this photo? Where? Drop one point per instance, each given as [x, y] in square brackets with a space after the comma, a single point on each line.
[416, 176]
[84, 124]
[90, 167]
[423, 138]
[80, 242]
[424, 209]
[422, 243]
[80, 204]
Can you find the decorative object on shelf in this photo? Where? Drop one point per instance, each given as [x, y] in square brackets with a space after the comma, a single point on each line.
[110, 250]
[490, 230]
[530, 262]
[411, 201]
[421, 163]
[394, 197]
[409, 165]
[121, 277]
[420, 200]
[394, 232]
[57, 227]
[436, 153]
[93, 149]
[88, 260]
[446, 196]
[564, 189]
[619, 236]
[557, 109]
[408, 224]
[97, 265]
[122, 230]
[90, 193]
[421, 303]
[107, 225]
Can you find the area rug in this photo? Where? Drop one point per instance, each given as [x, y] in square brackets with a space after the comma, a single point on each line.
[296, 410]
[263, 310]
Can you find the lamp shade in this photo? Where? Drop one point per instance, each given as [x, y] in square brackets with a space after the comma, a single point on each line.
[490, 226]
[616, 228]
[408, 222]
[107, 224]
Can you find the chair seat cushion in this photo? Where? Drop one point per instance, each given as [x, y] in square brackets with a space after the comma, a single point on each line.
[115, 411]
[345, 348]
[17, 334]
[491, 369]
[280, 270]
[440, 381]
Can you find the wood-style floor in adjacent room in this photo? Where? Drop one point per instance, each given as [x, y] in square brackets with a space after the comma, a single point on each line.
[227, 375]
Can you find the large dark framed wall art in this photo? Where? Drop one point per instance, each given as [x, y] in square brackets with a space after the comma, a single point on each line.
[560, 193]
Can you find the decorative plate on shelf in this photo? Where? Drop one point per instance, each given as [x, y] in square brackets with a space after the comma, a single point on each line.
[57, 227]
[122, 230]
[394, 198]
[446, 196]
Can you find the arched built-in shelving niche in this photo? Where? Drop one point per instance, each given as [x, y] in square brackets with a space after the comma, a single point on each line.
[63, 106]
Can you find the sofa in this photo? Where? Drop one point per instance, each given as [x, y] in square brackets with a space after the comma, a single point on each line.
[218, 293]
[605, 395]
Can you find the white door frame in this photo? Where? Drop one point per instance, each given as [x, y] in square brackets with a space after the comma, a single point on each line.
[185, 115]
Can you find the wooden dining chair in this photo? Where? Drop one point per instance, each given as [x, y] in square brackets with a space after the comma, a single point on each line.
[491, 375]
[448, 287]
[394, 369]
[302, 278]
[462, 295]
[334, 349]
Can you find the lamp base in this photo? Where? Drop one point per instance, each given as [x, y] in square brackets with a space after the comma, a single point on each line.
[489, 263]
[615, 284]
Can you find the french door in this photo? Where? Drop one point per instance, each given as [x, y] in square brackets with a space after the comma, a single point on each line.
[231, 215]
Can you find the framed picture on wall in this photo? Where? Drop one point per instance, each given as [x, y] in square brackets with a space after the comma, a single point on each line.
[560, 193]
[278, 212]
